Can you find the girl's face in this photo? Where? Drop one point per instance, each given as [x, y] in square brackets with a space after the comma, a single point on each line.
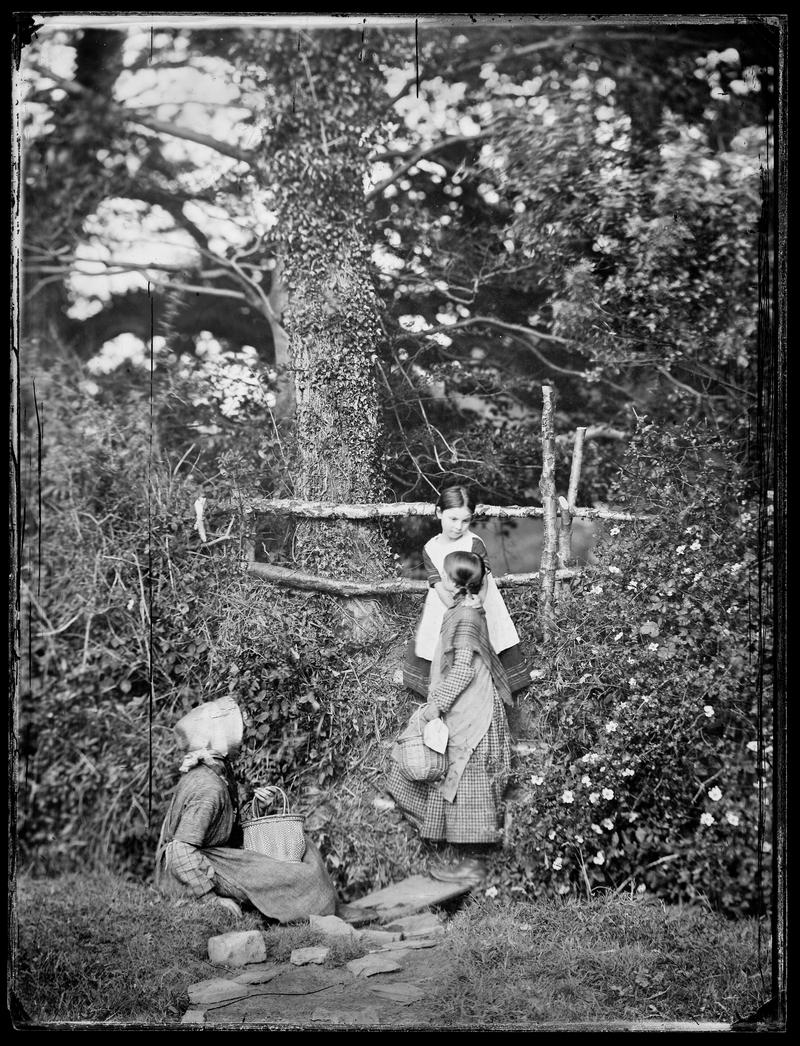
[455, 522]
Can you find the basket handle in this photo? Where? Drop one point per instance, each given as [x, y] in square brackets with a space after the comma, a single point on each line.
[255, 803]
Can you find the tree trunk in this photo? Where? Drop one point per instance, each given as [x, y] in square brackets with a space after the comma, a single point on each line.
[316, 155]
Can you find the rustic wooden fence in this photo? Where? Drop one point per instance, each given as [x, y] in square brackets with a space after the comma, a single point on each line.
[558, 512]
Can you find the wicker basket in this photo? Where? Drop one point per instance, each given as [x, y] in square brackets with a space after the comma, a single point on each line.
[415, 760]
[279, 836]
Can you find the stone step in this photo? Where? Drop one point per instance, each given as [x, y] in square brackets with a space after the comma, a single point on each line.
[405, 898]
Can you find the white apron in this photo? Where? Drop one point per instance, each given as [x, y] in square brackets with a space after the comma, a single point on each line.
[502, 633]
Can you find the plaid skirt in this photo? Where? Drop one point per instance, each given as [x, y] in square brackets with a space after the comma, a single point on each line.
[474, 816]
[417, 671]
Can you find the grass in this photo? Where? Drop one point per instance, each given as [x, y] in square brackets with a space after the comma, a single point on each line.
[96, 948]
[608, 959]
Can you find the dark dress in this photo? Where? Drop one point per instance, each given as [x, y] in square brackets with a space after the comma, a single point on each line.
[416, 669]
[195, 854]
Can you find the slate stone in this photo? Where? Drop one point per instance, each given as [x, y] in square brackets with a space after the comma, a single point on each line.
[331, 925]
[303, 956]
[237, 948]
[378, 937]
[408, 897]
[404, 994]
[410, 944]
[371, 964]
[425, 925]
[194, 1017]
[216, 989]
[259, 974]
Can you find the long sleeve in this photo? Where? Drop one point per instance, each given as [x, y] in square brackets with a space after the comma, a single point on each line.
[199, 817]
[190, 867]
[431, 573]
[479, 549]
[455, 682]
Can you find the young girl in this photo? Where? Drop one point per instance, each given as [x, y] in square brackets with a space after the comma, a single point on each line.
[454, 510]
[468, 688]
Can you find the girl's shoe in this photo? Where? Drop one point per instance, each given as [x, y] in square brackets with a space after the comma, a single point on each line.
[472, 869]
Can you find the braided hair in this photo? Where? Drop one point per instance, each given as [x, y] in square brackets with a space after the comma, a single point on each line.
[466, 570]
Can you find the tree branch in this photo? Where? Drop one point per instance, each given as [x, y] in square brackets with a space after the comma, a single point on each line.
[420, 154]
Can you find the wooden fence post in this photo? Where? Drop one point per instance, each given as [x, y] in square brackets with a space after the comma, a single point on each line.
[567, 505]
[547, 489]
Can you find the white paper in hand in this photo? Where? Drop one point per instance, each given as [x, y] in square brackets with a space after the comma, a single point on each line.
[435, 735]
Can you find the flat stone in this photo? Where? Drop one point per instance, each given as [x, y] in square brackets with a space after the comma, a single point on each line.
[373, 963]
[409, 896]
[378, 937]
[259, 974]
[304, 956]
[194, 1017]
[343, 1018]
[331, 925]
[216, 989]
[237, 948]
[404, 994]
[357, 916]
[427, 924]
[410, 944]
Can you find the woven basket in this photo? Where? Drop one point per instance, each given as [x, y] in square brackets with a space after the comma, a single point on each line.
[279, 836]
[415, 760]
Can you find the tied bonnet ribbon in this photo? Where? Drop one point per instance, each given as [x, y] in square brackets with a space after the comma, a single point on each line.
[465, 626]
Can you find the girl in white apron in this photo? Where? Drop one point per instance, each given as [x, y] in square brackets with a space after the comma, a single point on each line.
[454, 510]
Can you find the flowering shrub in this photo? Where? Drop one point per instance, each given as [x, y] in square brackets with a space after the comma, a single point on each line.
[648, 721]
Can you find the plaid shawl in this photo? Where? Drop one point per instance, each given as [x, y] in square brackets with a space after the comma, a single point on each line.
[466, 627]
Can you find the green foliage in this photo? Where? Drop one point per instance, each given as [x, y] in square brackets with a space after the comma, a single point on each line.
[647, 712]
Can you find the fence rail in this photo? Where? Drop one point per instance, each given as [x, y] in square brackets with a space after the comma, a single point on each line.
[386, 510]
[392, 586]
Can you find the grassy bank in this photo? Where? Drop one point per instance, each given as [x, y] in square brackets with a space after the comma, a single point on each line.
[98, 948]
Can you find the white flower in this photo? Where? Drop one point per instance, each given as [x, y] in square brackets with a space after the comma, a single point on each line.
[593, 798]
[617, 637]
[586, 780]
[608, 793]
[732, 818]
[537, 779]
[607, 823]
[707, 819]
[633, 816]
[632, 681]
[715, 794]
[652, 646]
[557, 863]
[597, 829]
[641, 888]
[614, 530]
[590, 757]
[611, 726]
[709, 711]
[567, 796]
[599, 858]
[551, 834]
[680, 550]
[578, 839]
[697, 577]
[627, 772]
[596, 590]
[130, 604]
[752, 746]
[695, 545]
[614, 570]
[491, 892]
[564, 888]
[632, 584]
